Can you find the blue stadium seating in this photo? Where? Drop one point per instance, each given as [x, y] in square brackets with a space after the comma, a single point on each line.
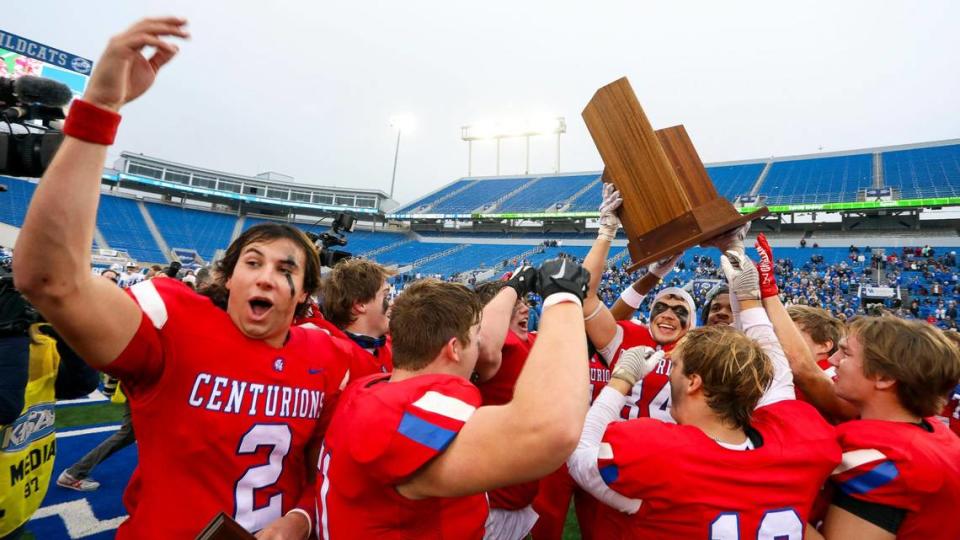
[13, 203]
[474, 256]
[205, 232]
[923, 172]
[589, 201]
[546, 193]
[483, 192]
[123, 227]
[410, 252]
[732, 181]
[818, 180]
[437, 195]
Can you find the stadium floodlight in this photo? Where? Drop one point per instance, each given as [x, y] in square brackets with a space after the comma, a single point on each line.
[512, 129]
[403, 122]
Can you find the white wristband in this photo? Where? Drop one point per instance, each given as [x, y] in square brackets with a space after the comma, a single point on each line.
[561, 297]
[303, 513]
[631, 297]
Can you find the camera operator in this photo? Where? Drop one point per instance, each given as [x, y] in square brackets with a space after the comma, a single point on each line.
[38, 368]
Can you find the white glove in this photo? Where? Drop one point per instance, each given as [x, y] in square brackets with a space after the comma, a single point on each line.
[609, 222]
[730, 240]
[742, 276]
[636, 363]
[664, 266]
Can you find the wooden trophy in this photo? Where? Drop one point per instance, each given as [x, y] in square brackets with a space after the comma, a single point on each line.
[669, 201]
[223, 527]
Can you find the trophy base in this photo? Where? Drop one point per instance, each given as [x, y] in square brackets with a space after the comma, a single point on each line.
[691, 229]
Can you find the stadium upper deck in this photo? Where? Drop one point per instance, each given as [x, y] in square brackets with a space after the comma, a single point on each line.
[916, 175]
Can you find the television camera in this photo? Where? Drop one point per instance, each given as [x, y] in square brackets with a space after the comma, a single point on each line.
[31, 109]
[336, 236]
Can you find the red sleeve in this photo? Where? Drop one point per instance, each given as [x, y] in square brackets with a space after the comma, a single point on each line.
[879, 467]
[416, 431]
[632, 453]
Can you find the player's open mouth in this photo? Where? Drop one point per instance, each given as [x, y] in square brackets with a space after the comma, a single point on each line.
[666, 327]
[259, 306]
[523, 324]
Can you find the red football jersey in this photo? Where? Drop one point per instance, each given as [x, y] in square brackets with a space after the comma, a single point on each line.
[499, 391]
[381, 434]
[650, 397]
[221, 419]
[692, 487]
[904, 466]
[364, 362]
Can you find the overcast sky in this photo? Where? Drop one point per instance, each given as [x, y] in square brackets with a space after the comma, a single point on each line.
[308, 88]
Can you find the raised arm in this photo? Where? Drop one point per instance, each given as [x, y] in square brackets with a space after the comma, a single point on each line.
[601, 326]
[635, 364]
[744, 283]
[495, 322]
[532, 435]
[815, 384]
[52, 263]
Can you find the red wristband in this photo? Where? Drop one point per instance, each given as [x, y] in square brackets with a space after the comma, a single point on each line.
[91, 123]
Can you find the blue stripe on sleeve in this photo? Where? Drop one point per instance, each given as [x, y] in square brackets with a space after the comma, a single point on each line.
[609, 473]
[879, 476]
[425, 433]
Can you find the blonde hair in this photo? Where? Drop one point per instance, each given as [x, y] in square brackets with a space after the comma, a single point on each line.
[924, 362]
[734, 369]
[819, 324]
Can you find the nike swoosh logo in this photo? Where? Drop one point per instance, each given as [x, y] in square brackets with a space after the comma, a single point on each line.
[559, 274]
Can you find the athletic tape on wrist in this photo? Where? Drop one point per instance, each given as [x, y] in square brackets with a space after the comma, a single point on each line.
[91, 123]
[593, 315]
[561, 297]
[631, 297]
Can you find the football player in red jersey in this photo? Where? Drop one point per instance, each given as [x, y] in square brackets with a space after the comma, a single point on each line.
[409, 455]
[504, 336]
[673, 314]
[745, 459]
[356, 299]
[226, 402]
[900, 475]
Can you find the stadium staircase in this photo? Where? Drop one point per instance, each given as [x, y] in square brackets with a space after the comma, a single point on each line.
[877, 170]
[445, 198]
[760, 179]
[383, 249]
[99, 240]
[569, 202]
[155, 232]
[237, 229]
[490, 207]
[445, 253]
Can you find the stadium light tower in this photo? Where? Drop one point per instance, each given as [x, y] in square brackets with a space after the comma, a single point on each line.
[403, 122]
[512, 130]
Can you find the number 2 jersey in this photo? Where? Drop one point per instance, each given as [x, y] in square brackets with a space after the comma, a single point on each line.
[223, 421]
[692, 487]
[382, 434]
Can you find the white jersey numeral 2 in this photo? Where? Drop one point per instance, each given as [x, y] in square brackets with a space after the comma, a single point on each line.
[278, 437]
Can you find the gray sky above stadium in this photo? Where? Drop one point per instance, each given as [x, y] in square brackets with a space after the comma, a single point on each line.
[308, 88]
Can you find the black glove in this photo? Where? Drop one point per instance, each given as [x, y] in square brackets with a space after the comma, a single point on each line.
[562, 275]
[523, 280]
